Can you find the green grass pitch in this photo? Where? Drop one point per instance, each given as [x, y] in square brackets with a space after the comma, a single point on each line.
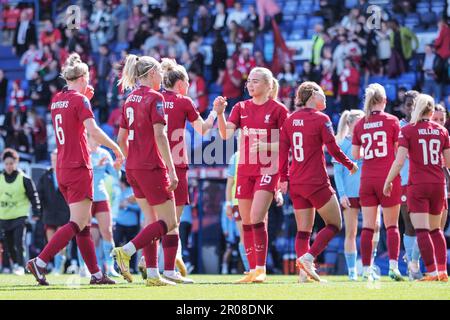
[219, 287]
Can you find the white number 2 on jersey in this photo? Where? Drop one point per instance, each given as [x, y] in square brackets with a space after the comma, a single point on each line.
[380, 138]
[59, 129]
[433, 147]
[130, 117]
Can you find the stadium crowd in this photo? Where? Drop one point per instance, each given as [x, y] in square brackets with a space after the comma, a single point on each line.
[219, 43]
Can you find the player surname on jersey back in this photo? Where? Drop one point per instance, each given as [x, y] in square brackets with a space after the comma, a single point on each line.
[371, 125]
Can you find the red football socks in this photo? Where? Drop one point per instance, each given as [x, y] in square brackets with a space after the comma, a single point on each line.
[260, 239]
[302, 243]
[323, 237]
[87, 249]
[249, 245]
[150, 252]
[59, 240]
[170, 247]
[393, 242]
[440, 249]
[150, 233]
[366, 246]
[426, 249]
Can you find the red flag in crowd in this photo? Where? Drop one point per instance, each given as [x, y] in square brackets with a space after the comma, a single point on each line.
[281, 52]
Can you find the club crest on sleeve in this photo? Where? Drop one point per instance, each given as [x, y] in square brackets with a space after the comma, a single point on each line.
[160, 108]
[329, 126]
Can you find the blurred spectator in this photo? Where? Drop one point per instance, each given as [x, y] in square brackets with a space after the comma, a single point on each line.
[10, 18]
[186, 31]
[259, 59]
[245, 62]
[36, 126]
[103, 65]
[396, 107]
[30, 59]
[25, 34]
[219, 20]
[268, 8]
[17, 194]
[231, 81]
[202, 22]
[345, 49]
[237, 15]
[120, 20]
[135, 25]
[3, 91]
[288, 74]
[384, 44]
[442, 46]
[17, 96]
[317, 45]
[98, 25]
[198, 60]
[350, 21]
[198, 90]
[155, 41]
[349, 86]
[49, 34]
[430, 86]
[139, 38]
[39, 93]
[219, 55]
[402, 44]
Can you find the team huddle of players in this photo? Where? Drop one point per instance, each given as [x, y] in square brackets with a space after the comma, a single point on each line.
[278, 152]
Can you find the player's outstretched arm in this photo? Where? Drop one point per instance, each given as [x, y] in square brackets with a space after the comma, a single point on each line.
[122, 140]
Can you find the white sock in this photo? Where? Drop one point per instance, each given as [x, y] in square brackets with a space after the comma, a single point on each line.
[393, 264]
[309, 257]
[169, 273]
[98, 275]
[179, 250]
[40, 263]
[153, 272]
[129, 248]
[433, 274]
[263, 268]
[414, 266]
[367, 269]
[252, 270]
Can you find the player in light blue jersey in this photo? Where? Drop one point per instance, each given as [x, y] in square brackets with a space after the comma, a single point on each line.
[348, 190]
[102, 165]
[412, 252]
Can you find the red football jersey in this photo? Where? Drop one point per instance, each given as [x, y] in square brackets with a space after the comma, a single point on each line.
[377, 136]
[69, 109]
[178, 110]
[258, 122]
[425, 142]
[305, 132]
[143, 108]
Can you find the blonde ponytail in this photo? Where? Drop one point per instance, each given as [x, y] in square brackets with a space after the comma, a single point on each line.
[348, 117]
[424, 104]
[135, 68]
[374, 94]
[275, 89]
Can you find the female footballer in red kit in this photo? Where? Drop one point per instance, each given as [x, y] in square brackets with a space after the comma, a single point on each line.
[377, 135]
[426, 143]
[149, 166]
[305, 133]
[72, 117]
[259, 119]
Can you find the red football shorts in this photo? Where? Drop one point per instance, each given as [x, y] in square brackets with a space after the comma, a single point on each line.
[426, 198]
[75, 184]
[355, 203]
[100, 206]
[246, 186]
[305, 196]
[236, 214]
[182, 191]
[371, 193]
[150, 184]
